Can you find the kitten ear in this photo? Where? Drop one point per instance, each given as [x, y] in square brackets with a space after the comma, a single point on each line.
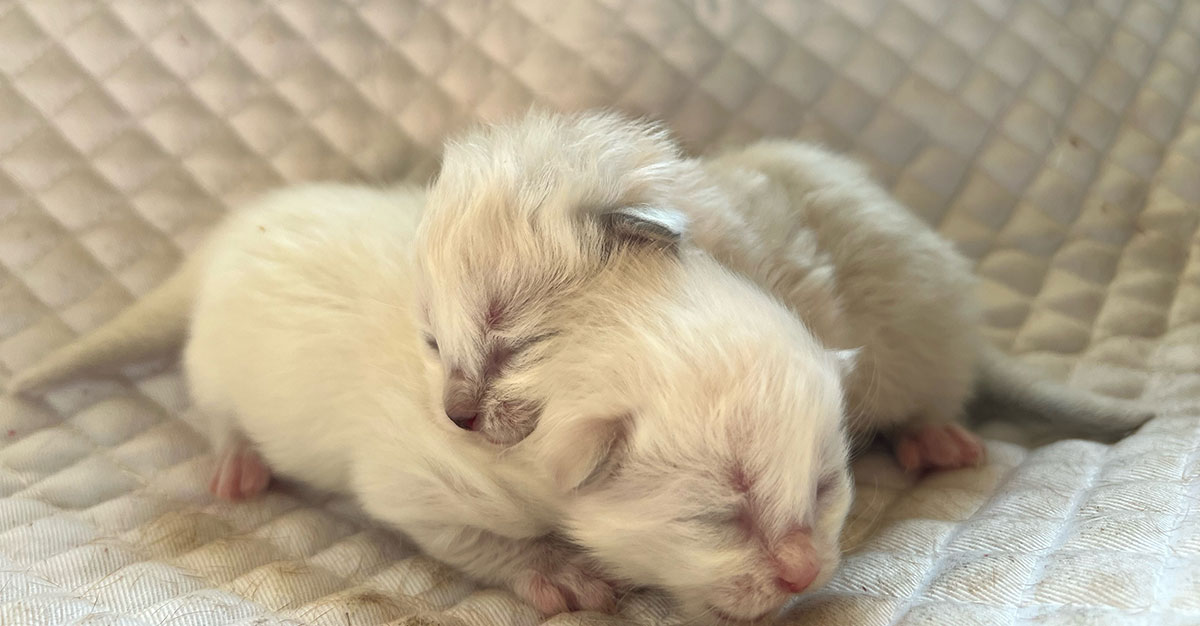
[578, 453]
[648, 225]
[846, 360]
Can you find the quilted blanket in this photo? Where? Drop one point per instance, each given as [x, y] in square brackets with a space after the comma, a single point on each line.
[1056, 141]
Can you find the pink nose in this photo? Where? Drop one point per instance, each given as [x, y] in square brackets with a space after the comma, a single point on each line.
[796, 565]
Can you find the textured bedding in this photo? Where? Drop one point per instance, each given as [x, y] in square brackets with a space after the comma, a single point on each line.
[1056, 141]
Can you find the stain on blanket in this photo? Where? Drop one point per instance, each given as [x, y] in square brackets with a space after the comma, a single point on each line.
[177, 532]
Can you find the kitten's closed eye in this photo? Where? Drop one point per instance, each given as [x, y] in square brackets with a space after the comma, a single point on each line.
[530, 342]
[431, 343]
[503, 353]
[826, 485]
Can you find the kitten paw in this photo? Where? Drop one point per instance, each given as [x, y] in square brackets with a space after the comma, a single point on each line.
[240, 473]
[565, 587]
[938, 447]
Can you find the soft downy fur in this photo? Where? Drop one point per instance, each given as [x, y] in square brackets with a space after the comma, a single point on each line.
[700, 420]
[857, 269]
[720, 462]
[860, 270]
[511, 226]
[303, 348]
[304, 338]
[592, 304]
[614, 327]
[302, 357]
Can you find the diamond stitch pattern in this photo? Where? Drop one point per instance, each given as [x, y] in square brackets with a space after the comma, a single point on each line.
[1057, 142]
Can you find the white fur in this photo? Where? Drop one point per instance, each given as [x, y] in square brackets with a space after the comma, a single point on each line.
[809, 227]
[813, 229]
[663, 376]
[648, 341]
[861, 271]
[304, 341]
[574, 280]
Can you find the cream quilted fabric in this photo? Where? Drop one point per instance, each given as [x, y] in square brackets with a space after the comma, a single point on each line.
[1057, 141]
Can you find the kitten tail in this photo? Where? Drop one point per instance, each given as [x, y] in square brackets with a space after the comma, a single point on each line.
[1006, 382]
[152, 326]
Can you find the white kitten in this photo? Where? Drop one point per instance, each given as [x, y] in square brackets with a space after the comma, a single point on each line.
[302, 353]
[860, 270]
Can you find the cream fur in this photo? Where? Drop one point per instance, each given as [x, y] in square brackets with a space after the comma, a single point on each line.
[515, 211]
[858, 269]
[602, 302]
[662, 375]
[652, 359]
[304, 340]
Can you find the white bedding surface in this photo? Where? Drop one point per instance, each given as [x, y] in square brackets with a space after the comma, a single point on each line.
[1057, 141]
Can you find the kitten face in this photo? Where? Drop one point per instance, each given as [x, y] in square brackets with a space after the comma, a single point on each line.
[479, 354]
[705, 426]
[716, 519]
[507, 238]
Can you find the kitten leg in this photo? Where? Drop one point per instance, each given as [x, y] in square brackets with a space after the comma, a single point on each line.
[937, 446]
[240, 473]
[545, 572]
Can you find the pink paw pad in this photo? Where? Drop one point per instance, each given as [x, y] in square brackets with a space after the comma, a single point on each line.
[537, 590]
[570, 589]
[240, 474]
[938, 447]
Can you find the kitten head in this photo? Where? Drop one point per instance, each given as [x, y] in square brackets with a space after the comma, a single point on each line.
[690, 423]
[698, 440]
[520, 218]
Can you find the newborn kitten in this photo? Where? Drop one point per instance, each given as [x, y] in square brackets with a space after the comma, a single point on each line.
[303, 357]
[858, 271]
[693, 426]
